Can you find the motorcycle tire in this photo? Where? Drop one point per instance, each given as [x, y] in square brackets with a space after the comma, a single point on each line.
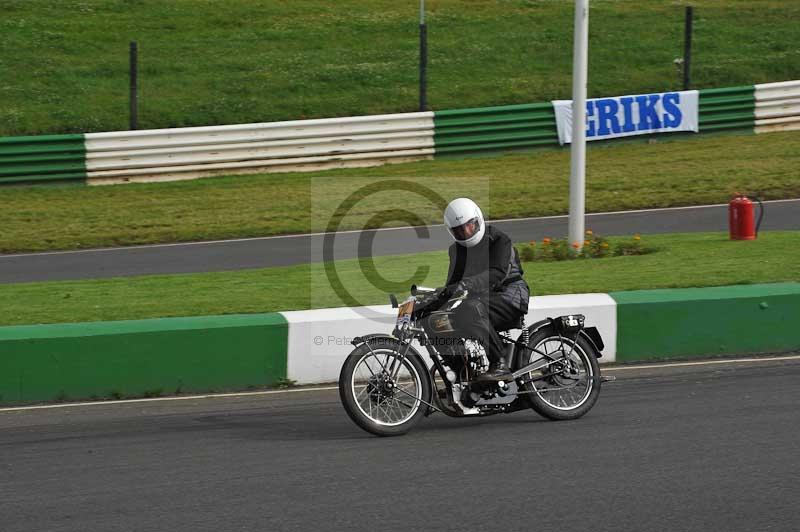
[537, 395]
[368, 400]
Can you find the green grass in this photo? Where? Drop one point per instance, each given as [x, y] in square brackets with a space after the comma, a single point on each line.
[632, 175]
[64, 64]
[682, 260]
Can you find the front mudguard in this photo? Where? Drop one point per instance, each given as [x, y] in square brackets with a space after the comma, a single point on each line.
[378, 338]
[358, 340]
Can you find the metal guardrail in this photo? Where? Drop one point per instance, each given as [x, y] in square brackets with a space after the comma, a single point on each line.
[532, 125]
[777, 107]
[495, 128]
[726, 109]
[303, 145]
[274, 146]
[42, 158]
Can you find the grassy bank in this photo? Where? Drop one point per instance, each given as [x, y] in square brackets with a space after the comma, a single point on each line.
[681, 260]
[689, 171]
[64, 64]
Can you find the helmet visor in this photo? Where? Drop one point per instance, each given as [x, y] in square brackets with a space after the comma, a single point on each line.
[466, 230]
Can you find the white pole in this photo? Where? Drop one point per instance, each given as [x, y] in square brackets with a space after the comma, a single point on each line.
[422, 11]
[577, 179]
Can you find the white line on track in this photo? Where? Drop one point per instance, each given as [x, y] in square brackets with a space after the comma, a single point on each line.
[308, 235]
[701, 363]
[326, 388]
[182, 398]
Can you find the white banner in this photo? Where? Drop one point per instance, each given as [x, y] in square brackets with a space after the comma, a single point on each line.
[624, 116]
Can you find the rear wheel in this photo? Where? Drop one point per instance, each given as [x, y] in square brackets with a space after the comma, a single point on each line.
[566, 382]
[384, 386]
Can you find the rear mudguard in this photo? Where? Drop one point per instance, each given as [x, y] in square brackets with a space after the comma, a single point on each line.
[591, 334]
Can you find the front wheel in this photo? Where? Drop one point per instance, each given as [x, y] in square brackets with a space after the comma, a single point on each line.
[566, 381]
[384, 386]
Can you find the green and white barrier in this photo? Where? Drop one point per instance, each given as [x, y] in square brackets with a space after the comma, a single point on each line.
[214, 353]
[307, 145]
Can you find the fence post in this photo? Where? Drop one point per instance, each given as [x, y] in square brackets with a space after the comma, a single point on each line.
[134, 96]
[423, 58]
[687, 49]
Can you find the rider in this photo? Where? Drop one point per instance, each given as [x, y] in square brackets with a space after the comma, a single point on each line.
[483, 262]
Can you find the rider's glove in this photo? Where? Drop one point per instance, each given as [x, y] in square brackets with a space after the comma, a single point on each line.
[453, 289]
[467, 285]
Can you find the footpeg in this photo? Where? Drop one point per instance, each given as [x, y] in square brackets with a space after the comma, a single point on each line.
[608, 378]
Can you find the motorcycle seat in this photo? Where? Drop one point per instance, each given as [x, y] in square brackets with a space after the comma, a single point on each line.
[518, 323]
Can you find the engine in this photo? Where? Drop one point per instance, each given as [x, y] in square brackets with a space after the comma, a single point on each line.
[476, 355]
[466, 357]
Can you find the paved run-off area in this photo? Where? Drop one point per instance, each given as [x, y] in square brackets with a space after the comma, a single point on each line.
[682, 448]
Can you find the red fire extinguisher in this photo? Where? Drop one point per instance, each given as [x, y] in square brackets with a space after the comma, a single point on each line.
[741, 217]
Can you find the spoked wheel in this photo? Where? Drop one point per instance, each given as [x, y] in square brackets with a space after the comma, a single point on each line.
[567, 383]
[384, 387]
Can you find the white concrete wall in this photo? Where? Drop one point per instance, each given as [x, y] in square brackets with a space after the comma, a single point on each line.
[319, 340]
[600, 311]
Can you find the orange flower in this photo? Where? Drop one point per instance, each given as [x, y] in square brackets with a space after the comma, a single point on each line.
[586, 242]
[637, 237]
[589, 232]
[605, 244]
[576, 245]
[532, 242]
[545, 240]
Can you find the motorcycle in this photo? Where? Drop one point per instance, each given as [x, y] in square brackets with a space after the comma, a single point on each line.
[386, 387]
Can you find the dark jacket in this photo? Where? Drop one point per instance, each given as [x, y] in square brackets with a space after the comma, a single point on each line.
[491, 267]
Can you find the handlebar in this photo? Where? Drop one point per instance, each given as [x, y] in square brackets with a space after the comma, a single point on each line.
[415, 290]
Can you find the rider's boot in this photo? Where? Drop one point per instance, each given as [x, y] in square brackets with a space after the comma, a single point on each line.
[498, 371]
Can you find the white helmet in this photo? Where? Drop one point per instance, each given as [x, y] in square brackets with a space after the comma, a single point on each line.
[464, 220]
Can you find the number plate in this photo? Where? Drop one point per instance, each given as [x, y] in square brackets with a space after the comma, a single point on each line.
[572, 323]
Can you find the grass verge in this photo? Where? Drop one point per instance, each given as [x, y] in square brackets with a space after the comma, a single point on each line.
[64, 65]
[681, 260]
[631, 175]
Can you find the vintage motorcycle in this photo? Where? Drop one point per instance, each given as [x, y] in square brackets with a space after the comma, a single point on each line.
[386, 386]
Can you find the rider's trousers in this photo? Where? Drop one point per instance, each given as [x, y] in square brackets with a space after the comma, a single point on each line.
[479, 319]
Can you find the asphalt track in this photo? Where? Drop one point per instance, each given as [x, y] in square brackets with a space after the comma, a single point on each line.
[681, 449]
[300, 249]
